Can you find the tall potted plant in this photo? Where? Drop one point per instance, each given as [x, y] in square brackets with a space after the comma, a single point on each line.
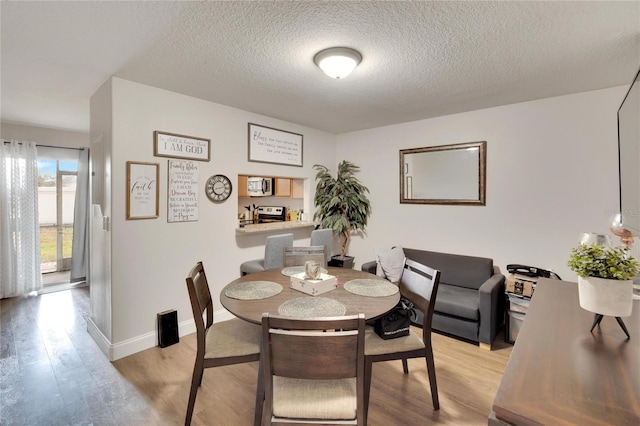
[341, 205]
[605, 284]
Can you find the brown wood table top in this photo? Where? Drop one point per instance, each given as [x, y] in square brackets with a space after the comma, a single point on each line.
[251, 310]
[561, 374]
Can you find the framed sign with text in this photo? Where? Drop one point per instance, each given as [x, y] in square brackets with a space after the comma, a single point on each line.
[182, 191]
[142, 190]
[269, 145]
[180, 146]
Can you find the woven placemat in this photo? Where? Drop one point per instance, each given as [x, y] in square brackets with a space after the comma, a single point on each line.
[253, 290]
[292, 270]
[371, 287]
[308, 307]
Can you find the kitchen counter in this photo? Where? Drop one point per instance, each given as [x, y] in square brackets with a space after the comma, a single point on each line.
[261, 228]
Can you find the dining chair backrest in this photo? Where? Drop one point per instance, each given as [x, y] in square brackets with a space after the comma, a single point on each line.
[314, 368]
[322, 237]
[419, 284]
[273, 250]
[297, 256]
[201, 301]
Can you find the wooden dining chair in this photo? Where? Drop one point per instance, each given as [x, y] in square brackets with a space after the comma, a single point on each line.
[223, 343]
[313, 369]
[419, 284]
[297, 256]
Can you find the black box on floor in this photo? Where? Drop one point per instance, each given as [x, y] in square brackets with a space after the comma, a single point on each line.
[168, 328]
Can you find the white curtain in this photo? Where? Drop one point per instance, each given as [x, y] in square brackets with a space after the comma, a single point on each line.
[19, 228]
[80, 248]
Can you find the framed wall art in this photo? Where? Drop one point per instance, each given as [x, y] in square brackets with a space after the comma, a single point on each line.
[444, 174]
[142, 190]
[182, 191]
[269, 145]
[180, 146]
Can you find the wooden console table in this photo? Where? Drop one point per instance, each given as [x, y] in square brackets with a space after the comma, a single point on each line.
[561, 374]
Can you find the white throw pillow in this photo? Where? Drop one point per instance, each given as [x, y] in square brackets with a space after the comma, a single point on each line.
[390, 263]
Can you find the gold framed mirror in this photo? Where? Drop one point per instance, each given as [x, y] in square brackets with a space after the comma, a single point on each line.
[444, 174]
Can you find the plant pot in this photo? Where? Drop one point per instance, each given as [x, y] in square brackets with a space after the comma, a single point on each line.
[342, 261]
[606, 297]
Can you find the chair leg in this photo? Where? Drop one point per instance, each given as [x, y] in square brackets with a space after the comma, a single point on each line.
[368, 367]
[405, 366]
[195, 383]
[431, 370]
[257, 419]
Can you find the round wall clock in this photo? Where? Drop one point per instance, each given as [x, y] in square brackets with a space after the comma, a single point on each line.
[218, 188]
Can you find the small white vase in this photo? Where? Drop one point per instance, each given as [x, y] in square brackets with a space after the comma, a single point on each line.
[606, 297]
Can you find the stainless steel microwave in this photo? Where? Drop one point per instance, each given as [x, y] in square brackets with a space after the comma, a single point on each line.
[259, 186]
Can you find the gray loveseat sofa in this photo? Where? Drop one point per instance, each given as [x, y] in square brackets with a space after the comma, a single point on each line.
[470, 299]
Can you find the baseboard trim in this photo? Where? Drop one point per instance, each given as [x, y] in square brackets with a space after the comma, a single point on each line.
[143, 341]
[101, 340]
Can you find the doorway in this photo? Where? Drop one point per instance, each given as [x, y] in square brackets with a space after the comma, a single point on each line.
[56, 203]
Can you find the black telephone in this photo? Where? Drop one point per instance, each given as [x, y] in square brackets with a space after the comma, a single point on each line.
[531, 271]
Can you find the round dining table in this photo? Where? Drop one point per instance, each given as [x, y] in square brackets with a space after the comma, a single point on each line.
[275, 289]
[252, 310]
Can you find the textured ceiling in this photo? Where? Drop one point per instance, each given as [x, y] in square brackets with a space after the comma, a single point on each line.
[420, 59]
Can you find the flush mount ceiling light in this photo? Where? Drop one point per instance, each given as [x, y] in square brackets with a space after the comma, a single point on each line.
[337, 62]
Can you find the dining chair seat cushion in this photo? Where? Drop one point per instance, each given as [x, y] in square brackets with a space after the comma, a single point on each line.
[375, 345]
[251, 266]
[234, 337]
[314, 399]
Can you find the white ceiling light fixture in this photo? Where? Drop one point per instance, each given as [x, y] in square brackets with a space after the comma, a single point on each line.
[337, 62]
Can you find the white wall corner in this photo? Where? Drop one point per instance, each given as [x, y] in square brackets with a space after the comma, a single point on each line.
[101, 340]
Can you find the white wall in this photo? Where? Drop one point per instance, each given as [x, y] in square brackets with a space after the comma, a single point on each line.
[44, 135]
[551, 175]
[151, 258]
[100, 323]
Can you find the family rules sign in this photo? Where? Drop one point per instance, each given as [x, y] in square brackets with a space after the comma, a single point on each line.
[182, 199]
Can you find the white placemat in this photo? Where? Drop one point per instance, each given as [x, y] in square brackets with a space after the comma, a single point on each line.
[371, 287]
[292, 270]
[308, 307]
[253, 290]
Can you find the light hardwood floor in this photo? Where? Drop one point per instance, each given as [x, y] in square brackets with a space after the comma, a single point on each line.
[52, 373]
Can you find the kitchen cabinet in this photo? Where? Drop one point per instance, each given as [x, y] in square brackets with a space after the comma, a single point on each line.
[297, 188]
[282, 187]
[242, 186]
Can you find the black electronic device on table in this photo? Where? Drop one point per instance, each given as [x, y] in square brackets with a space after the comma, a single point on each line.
[531, 271]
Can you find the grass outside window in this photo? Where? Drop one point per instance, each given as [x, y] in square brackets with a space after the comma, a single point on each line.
[48, 243]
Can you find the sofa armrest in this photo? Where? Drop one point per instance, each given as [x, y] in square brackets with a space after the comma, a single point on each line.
[491, 308]
[369, 267]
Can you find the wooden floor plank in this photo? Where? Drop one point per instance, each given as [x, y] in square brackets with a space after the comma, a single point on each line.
[48, 359]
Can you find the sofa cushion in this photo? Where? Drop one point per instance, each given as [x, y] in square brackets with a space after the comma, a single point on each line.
[390, 263]
[457, 301]
[458, 270]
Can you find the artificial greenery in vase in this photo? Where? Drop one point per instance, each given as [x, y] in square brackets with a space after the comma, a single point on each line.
[592, 260]
[605, 285]
[341, 201]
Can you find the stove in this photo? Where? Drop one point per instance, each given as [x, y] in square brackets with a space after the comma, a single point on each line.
[270, 214]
